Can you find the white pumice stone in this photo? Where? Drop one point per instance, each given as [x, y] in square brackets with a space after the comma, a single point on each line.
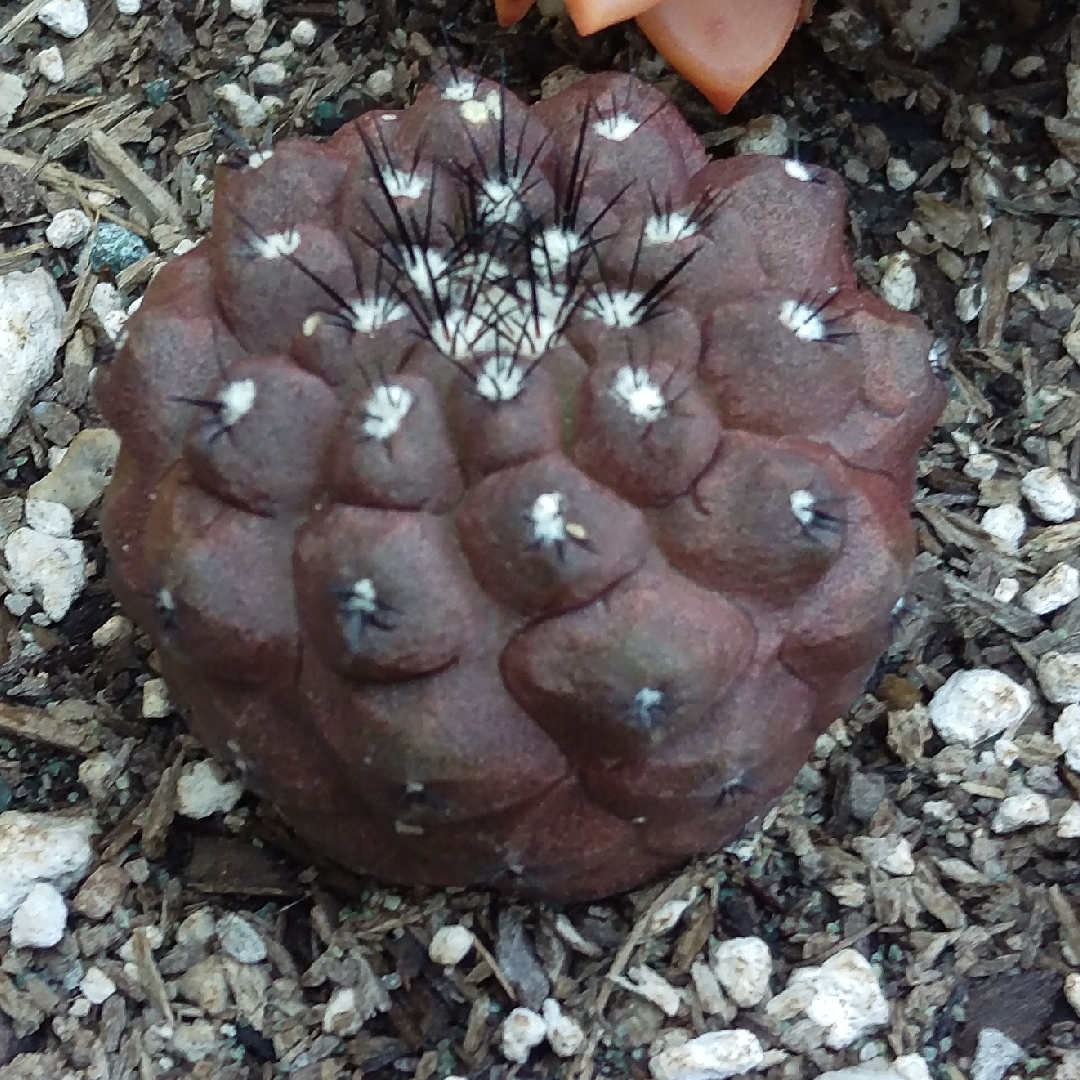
[68, 18]
[50, 63]
[899, 285]
[68, 228]
[981, 466]
[975, 705]
[995, 1055]
[201, 792]
[1053, 590]
[1007, 590]
[247, 9]
[889, 853]
[245, 110]
[714, 1056]
[41, 918]
[522, 1031]
[1067, 735]
[52, 569]
[303, 34]
[564, 1034]
[1068, 827]
[1049, 495]
[1072, 990]
[450, 945]
[51, 518]
[31, 316]
[96, 986]
[842, 997]
[1020, 811]
[743, 967]
[1005, 525]
[1059, 676]
[129, 7]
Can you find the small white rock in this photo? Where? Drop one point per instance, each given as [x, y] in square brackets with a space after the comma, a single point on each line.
[889, 853]
[96, 986]
[1069, 826]
[341, 1015]
[50, 63]
[115, 628]
[899, 285]
[68, 228]
[715, 1056]
[303, 34]
[564, 1034]
[41, 847]
[51, 518]
[1007, 590]
[1005, 525]
[110, 308]
[743, 967]
[450, 945]
[40, 919]
[12, 95]
[1020, 811]
[969, 302]
[1067, 735]
[995, 1055]
[31, 316]
[900, 174]
[766, 134]
[269, 74]
[244, 109]
[652, 986]
[907, 1067]
[522, 1031]
[129, 7]
[981, 466]
[240, 940]
[247, 9]
[51, 568]
[69, 18]
[200, 791]
[1053, 590]
[975, 705]
[1049, 495]
[1072, 990]
[1059, 677]
[842, 997]
[155, 699]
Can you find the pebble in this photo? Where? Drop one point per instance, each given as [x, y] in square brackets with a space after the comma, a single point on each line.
[974, 705]
[115, 628]
[239, 939]
[743, 967]
[244, 110]
[1049, 495]
[1019, 811]
[564, 1034]
[899, 285]
[83, 472]
[981, 466]
[197, 928]
[31, 315]
[68, 18]
[12, 95]
[51, 518]
[928, 23]
[342, 1015]
[50, 63]
[200, 791]
[115, 248]
[889, 853]
[1067, 735]
[101, 892]
[205, 985]
[155, 700]
[51, 568]
[1072, 990]
[450, 945]
[129, 7]
[1059, 677]
[1068, 827]
[841, 996]
[96, 986]
[908, 1067]
[247, 9]
[68, 228]
[900, 174]
[269, 74]
[522, 1031]
[1005, 525]
[766, 134]
[714, 1056]
[995, 1054]
[40, 920]
[1053, 590]
[969, 302]
[303, 34]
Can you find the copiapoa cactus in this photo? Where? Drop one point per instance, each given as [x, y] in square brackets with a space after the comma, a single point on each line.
[512, 493]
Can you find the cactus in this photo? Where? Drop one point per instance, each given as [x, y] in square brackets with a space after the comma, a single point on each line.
[513, 494]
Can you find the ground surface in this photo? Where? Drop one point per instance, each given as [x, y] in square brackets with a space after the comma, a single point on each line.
[950, 160]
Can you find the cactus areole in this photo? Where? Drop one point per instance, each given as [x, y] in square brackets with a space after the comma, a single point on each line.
[512, 493]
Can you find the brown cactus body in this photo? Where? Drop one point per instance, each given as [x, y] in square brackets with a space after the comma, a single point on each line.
[513, 495]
